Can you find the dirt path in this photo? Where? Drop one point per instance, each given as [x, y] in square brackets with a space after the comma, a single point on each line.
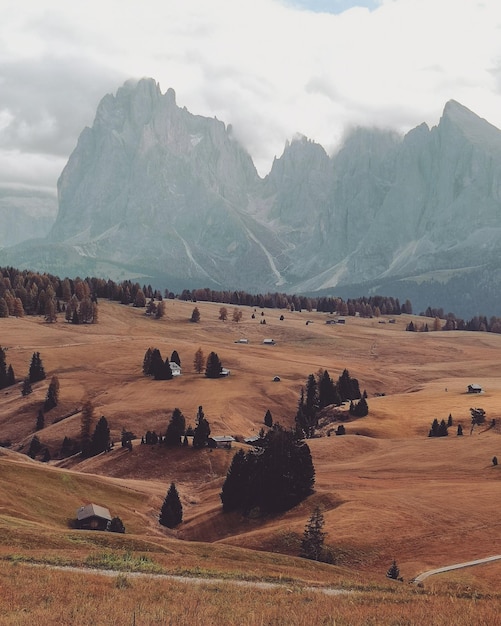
[294, 588]
[448, 568]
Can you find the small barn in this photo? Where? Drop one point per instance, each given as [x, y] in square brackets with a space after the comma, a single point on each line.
[221, 441]
[93, 517]
[175, 368]
[474, 388]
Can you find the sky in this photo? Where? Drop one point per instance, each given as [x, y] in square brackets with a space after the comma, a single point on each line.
[271, 68]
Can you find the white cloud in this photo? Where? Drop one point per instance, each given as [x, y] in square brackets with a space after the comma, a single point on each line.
[266, 67]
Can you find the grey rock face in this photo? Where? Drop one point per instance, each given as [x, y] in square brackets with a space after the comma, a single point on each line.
[152, 190]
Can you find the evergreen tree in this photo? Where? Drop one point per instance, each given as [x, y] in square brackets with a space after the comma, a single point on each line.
[213, 367]
[52, 398]
[174, 357]
[268, 419]
[300, 419]
[434, 428]
[3, 369]
[147, 362]
[36, 372]
[126, 438]
[40, 420]
[11, 379]
[171, 513]
[167, 371]
[234, 489]
[100, 441]
[35, 447]
[202, 430]
[393, 572]
[442, 429]
[175, 429]
[311, 406]
[460, 431]
[313, 537]
[26, 388]
[46, 457]
[361, 409]
[159, 369]
[198, 361]
[116, 526]
[86, 421]
[195, 316]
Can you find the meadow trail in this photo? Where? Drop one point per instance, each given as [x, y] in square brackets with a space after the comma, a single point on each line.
[294, 588]
[419, 579]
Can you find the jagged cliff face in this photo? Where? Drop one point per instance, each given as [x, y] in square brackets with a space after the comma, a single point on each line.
[153, 190]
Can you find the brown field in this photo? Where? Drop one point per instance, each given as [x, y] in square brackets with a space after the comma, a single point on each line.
[386, 489]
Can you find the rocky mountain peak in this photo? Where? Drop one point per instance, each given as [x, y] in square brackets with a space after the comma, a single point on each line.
[155, 191]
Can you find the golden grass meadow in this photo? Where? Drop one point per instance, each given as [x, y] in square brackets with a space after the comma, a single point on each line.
[387, 491]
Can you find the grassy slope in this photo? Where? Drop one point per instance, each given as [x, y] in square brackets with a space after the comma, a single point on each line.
[387, 490]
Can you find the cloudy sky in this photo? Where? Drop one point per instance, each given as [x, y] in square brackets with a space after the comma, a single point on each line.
[271, 68]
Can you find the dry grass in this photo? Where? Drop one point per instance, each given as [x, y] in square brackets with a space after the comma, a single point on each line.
[387, 490]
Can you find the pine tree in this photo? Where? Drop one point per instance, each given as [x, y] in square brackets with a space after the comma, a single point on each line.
[26, 388]
[40, 420]
[268, 419]
[160, 369]
[175, 429]
[361, 409]
[52, 398]
[213, 367]
[235, 486]
[147, 362]
[195, 316]
[198, 361]
[3, 369]
[86, 421]
[35, 447]
[202, 430]
[174, 357]
[393, 572]
[313, 537]
[36, 372]
[116, 526]
[11, 378]
[100, 441]
[171, 513]
[434, 428]
[311, 406]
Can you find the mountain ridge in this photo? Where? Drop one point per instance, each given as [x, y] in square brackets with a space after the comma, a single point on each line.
[160, 192]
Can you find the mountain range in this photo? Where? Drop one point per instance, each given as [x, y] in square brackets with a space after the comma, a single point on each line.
[156, 193]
